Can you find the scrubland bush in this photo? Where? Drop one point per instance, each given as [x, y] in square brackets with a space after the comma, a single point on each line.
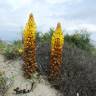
[81, 39]
[17, 44]
[45, 37]
[2, 46]
[12, 51]
[3, 87]
[78, 71]
[5, 83]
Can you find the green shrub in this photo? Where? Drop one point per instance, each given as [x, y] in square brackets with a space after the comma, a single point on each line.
[2, 46]
[5, 83]
[10, 52]
[17, 44]
[78, 71]
[80, 39]
[38, 37]
[2, 84]
[46, 37]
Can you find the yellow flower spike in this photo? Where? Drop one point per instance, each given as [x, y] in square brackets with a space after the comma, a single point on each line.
[56, 52]
[29, 37]
[57, 34]
[30, 28]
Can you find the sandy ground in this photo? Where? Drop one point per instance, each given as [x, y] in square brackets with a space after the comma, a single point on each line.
[12, 70]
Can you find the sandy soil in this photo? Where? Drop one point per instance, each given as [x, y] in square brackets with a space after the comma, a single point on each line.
[12, 70]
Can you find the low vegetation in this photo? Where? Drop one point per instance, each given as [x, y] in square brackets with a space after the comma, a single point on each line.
[80, 39]
[11, 52]
[2, 85]
[78, 73]
[2, 46]
[78, 70]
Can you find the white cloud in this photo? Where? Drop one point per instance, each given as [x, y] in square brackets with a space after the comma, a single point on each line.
[73, 14]
[56, 1]
[89, 27]
[61, 1]
[16, 4]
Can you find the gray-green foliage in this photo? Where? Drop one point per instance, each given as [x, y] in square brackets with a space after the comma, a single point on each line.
[11, 51]
[17, 44]
[2, 84]
[2, 46]
[5, 83]
[46, 37]
[81, 39]
[78, 71]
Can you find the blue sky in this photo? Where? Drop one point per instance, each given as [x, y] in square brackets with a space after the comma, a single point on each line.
[73, 14]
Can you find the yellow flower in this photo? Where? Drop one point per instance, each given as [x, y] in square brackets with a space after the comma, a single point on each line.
[29, 47]
[56, 52]
[58, 34]
[20, 50]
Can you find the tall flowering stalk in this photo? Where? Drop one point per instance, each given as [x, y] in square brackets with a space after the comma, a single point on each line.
[29, 56]
[56, 52]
